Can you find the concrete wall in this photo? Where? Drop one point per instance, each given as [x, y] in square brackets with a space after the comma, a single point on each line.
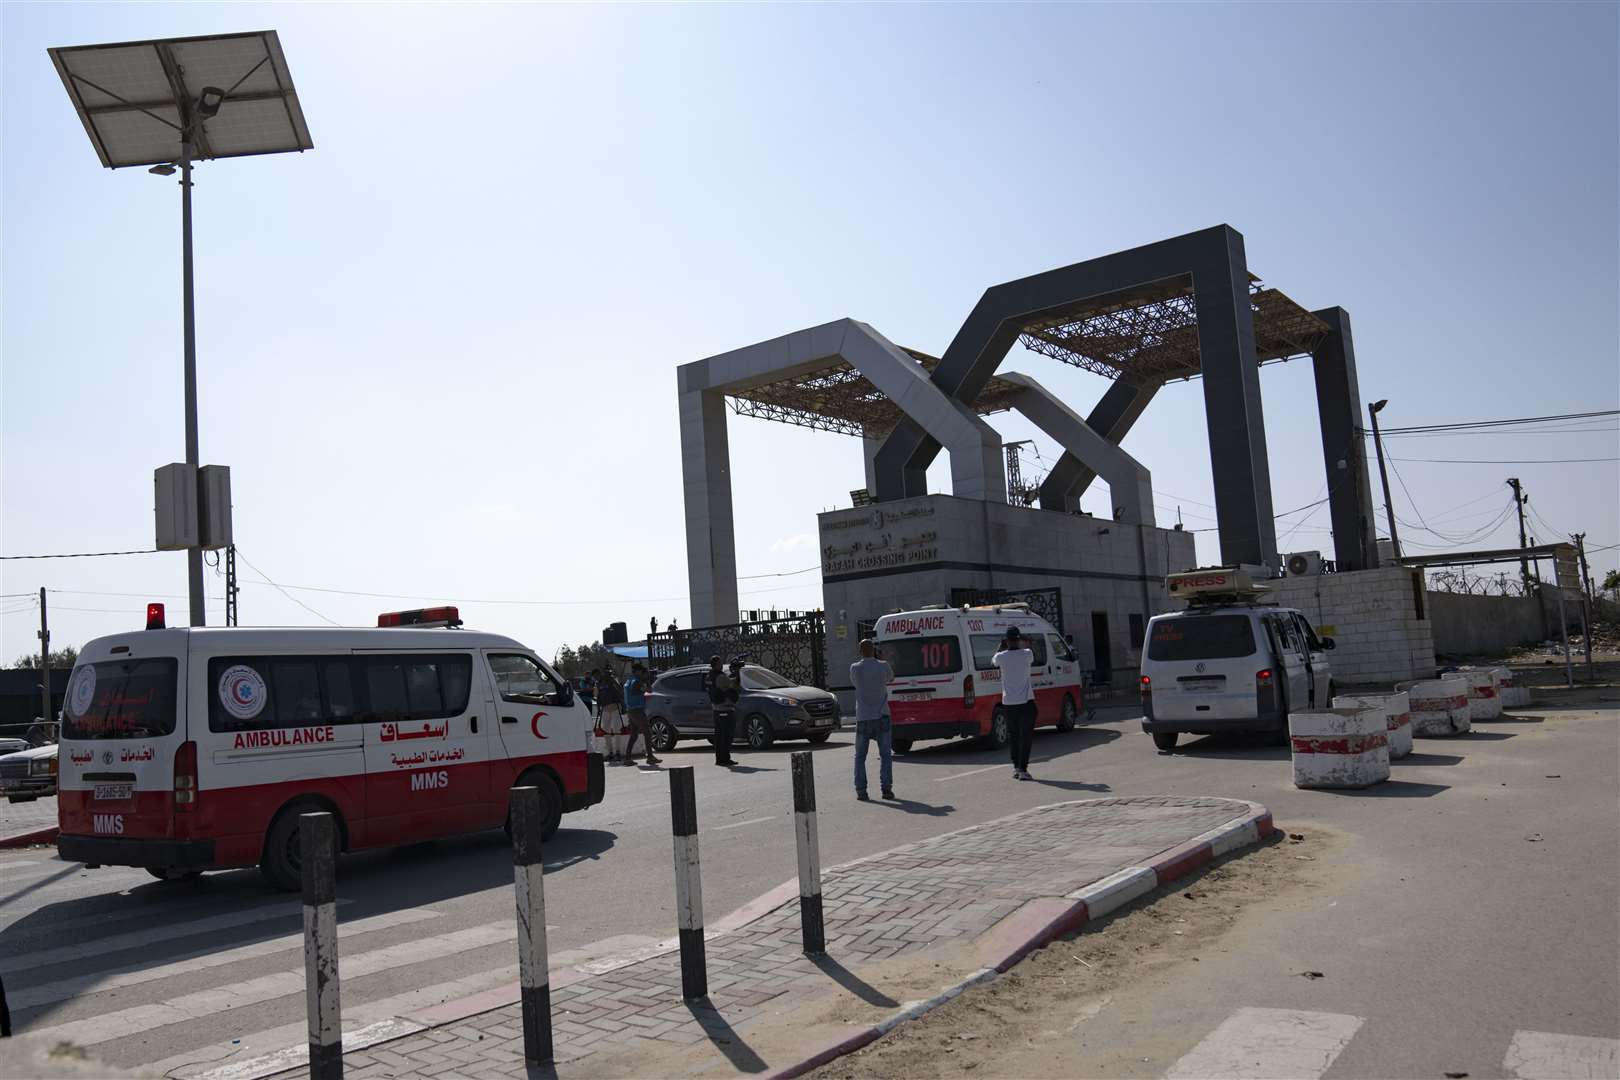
[905, 553]
[1378, 620]
[1469, 625]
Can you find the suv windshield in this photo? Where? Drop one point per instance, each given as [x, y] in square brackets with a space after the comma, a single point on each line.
[1201, 637]
[121, 699]
[755, 677]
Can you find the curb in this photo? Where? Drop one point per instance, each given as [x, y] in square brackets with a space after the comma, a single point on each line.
[29, 839]
[1092, 902]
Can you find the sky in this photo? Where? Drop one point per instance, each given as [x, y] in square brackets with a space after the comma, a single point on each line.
[438, 351]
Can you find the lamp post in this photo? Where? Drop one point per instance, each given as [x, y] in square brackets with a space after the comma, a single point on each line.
[1378, 446]
[141, 103]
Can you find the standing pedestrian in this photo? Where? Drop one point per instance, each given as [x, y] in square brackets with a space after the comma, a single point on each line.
[871, 677]
[722, 703]
[1017, 699]
[635, 710]
[610, 713]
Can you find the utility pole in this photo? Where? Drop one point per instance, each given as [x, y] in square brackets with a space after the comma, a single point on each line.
[230, 585]
[45, 713]
[1518, 504]
[1373, 410]
[1586, 571]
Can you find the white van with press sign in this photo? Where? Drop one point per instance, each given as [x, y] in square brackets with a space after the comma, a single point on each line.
[187, 750]
[945, 686]
[1228, 662]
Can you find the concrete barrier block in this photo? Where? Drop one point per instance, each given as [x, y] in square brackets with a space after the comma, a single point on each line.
[1483, 702]
[1339, 748]
[1438, 707]
[1397, 711]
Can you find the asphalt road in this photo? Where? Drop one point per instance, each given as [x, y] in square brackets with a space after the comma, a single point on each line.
[1444, 881]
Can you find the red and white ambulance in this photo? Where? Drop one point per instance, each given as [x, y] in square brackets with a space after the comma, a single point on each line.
[184, 750]
[945, 686]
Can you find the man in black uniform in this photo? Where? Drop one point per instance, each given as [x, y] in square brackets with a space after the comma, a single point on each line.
[723, 700]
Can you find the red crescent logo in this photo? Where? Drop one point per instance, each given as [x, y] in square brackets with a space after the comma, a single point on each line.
[534, 725]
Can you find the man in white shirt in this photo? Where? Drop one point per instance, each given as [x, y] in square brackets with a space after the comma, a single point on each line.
[1017, 699]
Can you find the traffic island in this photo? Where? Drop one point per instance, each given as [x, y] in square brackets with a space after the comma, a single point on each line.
[906, 930]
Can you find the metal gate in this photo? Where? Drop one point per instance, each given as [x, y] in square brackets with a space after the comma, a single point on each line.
[794, 647]
[1047, 603]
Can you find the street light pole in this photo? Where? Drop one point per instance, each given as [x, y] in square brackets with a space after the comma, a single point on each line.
[1378, 446]
[194, 559]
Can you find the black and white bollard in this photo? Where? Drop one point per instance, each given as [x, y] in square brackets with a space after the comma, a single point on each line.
[804, 828]
[318, 837]
[528, 874]
[688, 883]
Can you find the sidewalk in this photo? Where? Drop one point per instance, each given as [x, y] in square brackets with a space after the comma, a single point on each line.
[905, 929]
[33, 822]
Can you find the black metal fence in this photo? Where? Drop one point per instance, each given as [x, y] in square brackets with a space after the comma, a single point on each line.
[794, 647]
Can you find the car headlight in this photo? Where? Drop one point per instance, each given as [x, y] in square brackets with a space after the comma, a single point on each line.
[791, 703]
[46, 767]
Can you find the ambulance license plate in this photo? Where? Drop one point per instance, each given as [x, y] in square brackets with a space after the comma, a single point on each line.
[115, 791]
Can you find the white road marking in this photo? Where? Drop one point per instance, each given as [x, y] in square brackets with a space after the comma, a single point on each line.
[12, 864]
[1268, 1044]
[740, 824]
[279, 1049]
[141, 938]
[970, 772]
[189, 1007]
[135, 974]
[1542, 1055]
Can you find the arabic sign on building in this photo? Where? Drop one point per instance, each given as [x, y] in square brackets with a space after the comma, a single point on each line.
[878, 538]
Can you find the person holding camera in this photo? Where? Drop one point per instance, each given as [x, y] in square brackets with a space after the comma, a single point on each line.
[723, 697]
[1017, 699]
[871, 677]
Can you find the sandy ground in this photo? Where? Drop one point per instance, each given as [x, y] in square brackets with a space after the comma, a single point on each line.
[1030, 1022]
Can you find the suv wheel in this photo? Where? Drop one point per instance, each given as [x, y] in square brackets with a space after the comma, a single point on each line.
[662, 735]
[758, 730]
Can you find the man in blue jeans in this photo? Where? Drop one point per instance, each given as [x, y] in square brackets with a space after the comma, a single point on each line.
[871, 677]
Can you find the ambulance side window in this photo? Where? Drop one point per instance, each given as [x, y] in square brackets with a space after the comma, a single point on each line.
[415, 687]
[1037, 645]
[521, 679]
[249, 693]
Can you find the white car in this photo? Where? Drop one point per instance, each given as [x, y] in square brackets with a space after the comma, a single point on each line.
[1229, 663]
[29, 774]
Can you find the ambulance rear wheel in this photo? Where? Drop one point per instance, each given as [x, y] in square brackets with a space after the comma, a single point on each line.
[900, 746]
[551, 804]
[1165, 740]
[999, 735]
[283, 861]
[1067, 715]
[165, 873]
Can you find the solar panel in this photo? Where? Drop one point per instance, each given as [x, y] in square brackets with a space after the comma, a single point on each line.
[135, 97]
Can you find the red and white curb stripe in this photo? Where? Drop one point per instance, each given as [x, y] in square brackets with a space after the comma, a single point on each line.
[29, 839]
[1094, 901]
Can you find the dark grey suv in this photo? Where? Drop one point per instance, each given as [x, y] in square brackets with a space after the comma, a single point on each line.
[770, 708]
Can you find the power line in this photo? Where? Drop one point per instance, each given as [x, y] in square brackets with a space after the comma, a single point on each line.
[84, 554]
[1476, 424]
[282, 591]
[1508, 461]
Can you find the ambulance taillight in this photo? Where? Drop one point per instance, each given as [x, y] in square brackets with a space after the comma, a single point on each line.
[154, 617]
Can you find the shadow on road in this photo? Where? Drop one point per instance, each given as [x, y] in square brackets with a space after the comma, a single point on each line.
[1390, 789]
[724, 1037]
[1506, 718]
[1417, 758]
[1071, 785]
[1476, 735]
[912, 806]
[852, 982]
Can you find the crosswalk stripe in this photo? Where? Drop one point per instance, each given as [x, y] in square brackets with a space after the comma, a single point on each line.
[141, 938]
[1543, 1055]
[135, 974]
[188, 1007]
[1268, 1044]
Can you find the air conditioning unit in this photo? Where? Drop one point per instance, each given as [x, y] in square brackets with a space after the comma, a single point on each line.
[1304, 563]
